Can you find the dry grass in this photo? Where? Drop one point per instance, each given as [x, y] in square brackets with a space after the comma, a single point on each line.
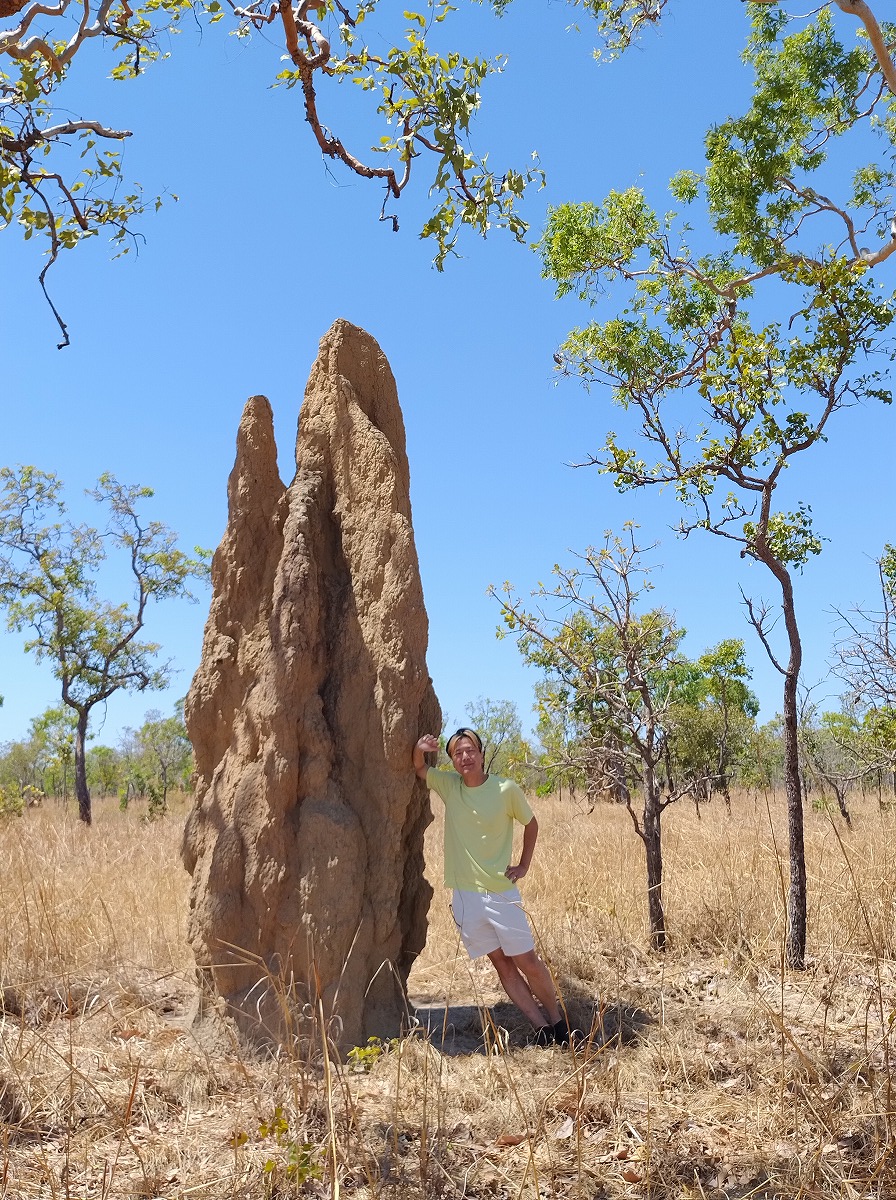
[726, 1076]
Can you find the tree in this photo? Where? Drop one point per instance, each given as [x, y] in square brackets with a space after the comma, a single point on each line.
[725, 400]
[618, 670]
[423, 96]
[44, 188]
[19, 769]
[168, 754]
[878, 745]
[53, 735]
[423, 93]
[103, 767]
[47, 584]
[558, 732]
[762, 766]
[620, 22]
[831, 745]
[866, 653]
[43, 762]
[712, 720]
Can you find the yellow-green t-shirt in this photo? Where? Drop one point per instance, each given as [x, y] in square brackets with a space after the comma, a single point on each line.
[479, 829]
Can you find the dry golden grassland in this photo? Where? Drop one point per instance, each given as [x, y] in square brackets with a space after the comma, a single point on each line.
[713, 1072]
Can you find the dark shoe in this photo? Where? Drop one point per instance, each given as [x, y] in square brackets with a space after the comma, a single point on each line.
[564, 1036]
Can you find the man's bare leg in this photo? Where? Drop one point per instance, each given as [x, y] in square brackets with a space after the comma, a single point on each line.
[540, 983]
[524, 977]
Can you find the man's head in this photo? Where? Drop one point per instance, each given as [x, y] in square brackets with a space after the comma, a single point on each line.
[465, 751]
[459, 734]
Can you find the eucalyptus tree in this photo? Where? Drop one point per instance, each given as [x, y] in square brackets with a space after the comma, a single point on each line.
[735, 339]
[616, 666]
[48, 585]
[713, 719]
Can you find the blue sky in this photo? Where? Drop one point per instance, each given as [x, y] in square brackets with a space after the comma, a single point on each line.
[238, 280]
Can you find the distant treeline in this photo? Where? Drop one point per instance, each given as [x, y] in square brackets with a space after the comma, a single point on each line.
[148, 763]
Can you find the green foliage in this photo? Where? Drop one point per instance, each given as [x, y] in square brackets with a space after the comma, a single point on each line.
[51, 748]
[614, 669]
[103, 770]
[362, 1059]
[618, 22]
[149, 763]
[295, 1163]
[723, 399]
[154, 760]
[157, 806]
[712, 720]
[60, 181]
[558, 733]
[427, 96]
[762, 765]
[620, 706]
[12, 804]
[48, 569]
[888, 570]
[47, 583]
[686, 326]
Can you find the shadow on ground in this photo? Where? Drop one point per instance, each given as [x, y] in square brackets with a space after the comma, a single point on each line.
[468, 1029]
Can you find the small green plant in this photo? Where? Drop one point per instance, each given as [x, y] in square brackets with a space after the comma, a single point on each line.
[298, 1163]
[362, 1059]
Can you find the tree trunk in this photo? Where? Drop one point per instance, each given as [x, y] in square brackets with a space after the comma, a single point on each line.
[795, 941]
[81, 790]
[795, 945]
[654, 852]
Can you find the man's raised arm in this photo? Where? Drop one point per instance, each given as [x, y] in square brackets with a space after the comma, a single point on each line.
[428, 744]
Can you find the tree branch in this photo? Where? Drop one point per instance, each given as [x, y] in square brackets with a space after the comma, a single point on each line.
[860, 9]
[23, 144]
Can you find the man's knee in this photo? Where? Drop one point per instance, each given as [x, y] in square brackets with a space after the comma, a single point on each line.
[502, 962]
[526, 962]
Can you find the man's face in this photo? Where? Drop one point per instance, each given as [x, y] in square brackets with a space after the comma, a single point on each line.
[466, 756]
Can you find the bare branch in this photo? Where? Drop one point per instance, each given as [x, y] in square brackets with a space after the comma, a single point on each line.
[759, 620]
[37, 136]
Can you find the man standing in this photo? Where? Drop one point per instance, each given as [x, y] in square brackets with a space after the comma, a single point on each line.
[480, 810]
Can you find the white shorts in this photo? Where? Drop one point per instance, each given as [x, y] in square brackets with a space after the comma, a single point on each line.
[490, 921]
